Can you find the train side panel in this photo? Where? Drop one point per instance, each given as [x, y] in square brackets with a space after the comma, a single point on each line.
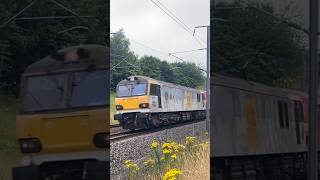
[172, 98]
[249, 123]
[176, 99]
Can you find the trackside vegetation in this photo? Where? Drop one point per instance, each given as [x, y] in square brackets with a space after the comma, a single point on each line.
[170, 160]
[9, 150]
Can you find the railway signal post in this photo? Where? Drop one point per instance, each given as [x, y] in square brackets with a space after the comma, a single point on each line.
[208, 78]
[313, 91]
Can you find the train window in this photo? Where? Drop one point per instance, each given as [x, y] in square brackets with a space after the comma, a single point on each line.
[283, 114]
[44, 92]
[203, 97]
[286, 115]
[198, 97]
[156, 91]
[89, 89]
[280, 112]
[139, 89]
[153, 90]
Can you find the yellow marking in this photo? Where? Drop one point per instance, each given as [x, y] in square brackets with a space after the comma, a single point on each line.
[251, 115]
[188, 100]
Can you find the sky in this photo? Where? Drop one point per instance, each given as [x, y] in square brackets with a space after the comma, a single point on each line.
[144, 23]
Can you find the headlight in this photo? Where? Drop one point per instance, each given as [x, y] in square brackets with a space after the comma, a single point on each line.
[100, 140]
[144, 105]
[31, 145]
[119, 107]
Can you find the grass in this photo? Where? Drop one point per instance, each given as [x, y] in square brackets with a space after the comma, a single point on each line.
[171, 160]
[9, 150]
[112, 108]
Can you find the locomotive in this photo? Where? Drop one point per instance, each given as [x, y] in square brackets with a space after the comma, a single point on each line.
[258, 131]
[63, 122]
[143, 103]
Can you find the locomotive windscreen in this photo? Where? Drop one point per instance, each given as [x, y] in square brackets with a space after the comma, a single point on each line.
[132, 89]
[49, 92]
[44, 92]
[89, 89]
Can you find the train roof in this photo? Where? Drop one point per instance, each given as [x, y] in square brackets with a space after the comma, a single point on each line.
[252, 86]
[75, 57]
[162, 82]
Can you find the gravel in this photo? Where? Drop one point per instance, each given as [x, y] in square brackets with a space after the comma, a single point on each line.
[138, 149]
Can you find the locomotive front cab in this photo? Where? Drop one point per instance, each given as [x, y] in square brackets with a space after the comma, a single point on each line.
[136, 98]
[132, 94]
[62, 126]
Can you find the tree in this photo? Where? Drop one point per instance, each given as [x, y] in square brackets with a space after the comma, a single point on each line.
[150, 67]
[256, 47]
[26, 41]
[166, 69]
[123, 61]
[187, 74]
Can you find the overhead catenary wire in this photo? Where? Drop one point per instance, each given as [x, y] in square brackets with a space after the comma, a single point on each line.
[167, 54]
[177, 20]
[159, 51]
[190, 30]
[146, 46]
[188, 51]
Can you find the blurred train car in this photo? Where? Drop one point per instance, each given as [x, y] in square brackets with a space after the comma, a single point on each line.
[63, 122]
[258, 132]
[143, 102]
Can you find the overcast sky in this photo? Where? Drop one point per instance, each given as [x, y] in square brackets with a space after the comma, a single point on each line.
[144, 22]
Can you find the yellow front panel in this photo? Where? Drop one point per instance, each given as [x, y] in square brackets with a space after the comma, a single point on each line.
[64, 132]
[71, 132]
[131, 102]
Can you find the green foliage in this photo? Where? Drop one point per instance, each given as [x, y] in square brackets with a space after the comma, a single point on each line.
[9, 149]
[125, 63]
[187, 74]
[255, 46]
[23, 42]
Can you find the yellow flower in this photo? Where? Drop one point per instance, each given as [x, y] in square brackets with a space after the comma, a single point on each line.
[149, 163]
[177, 147]
[167, 151]
[154, 144]
[166, 145]
[206, 145]
[190, 139]
[127, 162]
[172, 174]
[174, 157]
[162, 159]
[133, 167]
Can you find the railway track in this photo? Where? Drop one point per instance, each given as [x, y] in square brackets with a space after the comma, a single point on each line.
[123, 134]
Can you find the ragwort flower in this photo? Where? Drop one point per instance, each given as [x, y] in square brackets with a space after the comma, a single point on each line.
[154, 144]
[172, 174]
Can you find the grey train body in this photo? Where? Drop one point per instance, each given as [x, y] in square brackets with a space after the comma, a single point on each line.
[253, 127]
